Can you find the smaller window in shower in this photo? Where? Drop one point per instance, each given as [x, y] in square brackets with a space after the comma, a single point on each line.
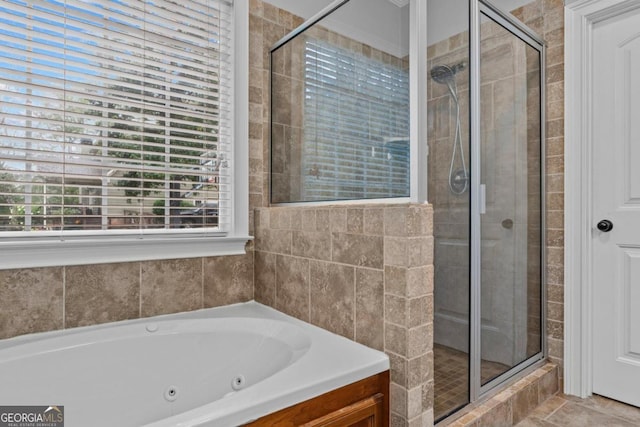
[340, 107]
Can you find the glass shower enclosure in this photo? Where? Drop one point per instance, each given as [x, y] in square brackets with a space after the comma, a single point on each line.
[486, 182]
[440, 101]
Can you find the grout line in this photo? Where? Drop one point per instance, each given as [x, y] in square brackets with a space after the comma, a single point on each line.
[355, 303]
[384, 318]
[556, 410]
[202, 305]
[275, 281]
[309, 289]
[139, 289]
[599, 410]
[64, 297]
[253, 272]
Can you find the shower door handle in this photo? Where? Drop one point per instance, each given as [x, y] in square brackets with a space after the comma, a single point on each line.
[483, 199]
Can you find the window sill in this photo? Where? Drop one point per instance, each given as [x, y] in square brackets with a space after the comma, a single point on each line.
[38, 253]
[348, 202]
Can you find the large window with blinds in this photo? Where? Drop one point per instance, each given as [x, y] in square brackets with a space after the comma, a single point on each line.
[115, 117]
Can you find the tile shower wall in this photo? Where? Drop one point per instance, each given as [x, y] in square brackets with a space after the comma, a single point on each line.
[546, 17]
[45, 299]
[451, 211]
[510, 260]
[451, 214]
[364, 272]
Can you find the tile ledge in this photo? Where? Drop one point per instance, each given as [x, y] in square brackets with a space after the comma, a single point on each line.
[469, 415]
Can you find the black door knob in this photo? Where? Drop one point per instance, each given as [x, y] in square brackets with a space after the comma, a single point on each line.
[605, 226]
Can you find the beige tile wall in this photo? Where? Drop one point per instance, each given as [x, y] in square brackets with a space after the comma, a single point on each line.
[267, 24]
[45, 299]
[364, 272]
[451, 211]
[511, 405]
[546, 17]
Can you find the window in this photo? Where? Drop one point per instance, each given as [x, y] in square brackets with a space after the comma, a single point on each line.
[356, 125]
[340, 119]
[116, 124]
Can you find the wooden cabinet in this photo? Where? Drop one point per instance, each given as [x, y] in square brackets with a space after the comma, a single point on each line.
[366, 413]
[362, 404]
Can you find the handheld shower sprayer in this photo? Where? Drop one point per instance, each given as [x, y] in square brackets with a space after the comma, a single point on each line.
[445, 74]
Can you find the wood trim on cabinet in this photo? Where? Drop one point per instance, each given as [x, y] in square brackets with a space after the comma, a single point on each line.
[353, 404]
[367, 412]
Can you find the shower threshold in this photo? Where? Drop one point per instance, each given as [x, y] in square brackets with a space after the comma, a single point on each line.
[451, 378]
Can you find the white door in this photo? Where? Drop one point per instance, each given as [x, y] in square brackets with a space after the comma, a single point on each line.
[616, 198]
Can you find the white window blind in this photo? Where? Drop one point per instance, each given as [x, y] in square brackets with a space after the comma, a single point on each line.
[115, 115]
[356, 125]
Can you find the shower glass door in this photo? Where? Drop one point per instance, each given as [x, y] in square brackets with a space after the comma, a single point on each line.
[485, 182]
[509, 209]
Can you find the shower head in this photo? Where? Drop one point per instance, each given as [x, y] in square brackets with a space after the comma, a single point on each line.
[442, 74]
[445, 74]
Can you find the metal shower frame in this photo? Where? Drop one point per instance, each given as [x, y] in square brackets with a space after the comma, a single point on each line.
[478, 9]
[419, 153]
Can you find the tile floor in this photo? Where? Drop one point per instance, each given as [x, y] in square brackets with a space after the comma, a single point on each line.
[451, 381]
[570, 411]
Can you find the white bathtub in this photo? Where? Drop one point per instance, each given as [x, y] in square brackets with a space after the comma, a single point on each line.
[216, 367]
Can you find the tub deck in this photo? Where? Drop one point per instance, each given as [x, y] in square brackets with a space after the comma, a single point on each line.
[300, 362]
